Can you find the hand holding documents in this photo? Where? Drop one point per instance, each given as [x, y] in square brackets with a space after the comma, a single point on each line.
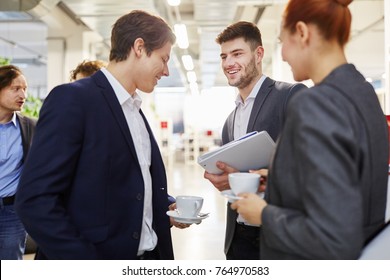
[252, 151]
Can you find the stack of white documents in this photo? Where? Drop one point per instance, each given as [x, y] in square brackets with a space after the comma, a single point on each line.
[252, 151]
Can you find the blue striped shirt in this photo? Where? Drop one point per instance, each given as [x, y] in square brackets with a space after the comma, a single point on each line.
[11, 157]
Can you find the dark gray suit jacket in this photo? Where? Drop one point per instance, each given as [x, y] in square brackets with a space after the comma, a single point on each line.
[27, 126]
[268, 113]
[328, 181]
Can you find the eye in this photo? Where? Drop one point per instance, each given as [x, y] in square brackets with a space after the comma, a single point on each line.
[16, 89]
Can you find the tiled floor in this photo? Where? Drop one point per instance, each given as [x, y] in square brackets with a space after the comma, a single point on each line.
[204, 241]
[198, 242]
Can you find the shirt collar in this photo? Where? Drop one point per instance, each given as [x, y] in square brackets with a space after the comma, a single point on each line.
[13, 120]
[120, 92]
[254, 91]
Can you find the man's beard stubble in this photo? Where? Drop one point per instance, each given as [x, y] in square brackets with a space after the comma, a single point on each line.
[251, 72]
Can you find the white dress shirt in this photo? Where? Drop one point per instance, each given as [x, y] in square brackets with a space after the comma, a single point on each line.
[243, 113]
[131, 106]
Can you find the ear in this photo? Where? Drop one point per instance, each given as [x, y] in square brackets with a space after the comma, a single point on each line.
[303, 33]
[138, 46]
[259, 53]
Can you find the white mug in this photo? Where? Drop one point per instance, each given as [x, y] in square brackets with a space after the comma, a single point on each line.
[241, 182]
[189, 206]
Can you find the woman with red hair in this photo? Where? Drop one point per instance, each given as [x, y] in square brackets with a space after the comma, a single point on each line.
[326, 189]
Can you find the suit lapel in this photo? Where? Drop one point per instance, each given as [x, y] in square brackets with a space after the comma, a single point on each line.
[116, 109]
[230, 125]
[261, 96]
[151, 136]
[25, 131]
[153, 143]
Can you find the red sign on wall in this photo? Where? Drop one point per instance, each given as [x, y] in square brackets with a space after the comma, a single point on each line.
[164, 124]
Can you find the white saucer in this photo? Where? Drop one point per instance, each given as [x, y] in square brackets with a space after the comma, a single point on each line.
[190, 220]
[230, 195]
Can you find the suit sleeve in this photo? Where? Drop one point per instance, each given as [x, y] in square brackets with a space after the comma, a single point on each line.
[293, 89]
[47, 178]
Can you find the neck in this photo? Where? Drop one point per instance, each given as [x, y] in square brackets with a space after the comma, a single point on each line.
[329, 60]
[120, 71]
[5, 116]
[245, 92]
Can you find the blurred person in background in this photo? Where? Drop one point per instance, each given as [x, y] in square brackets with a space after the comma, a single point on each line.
[16, 132]
[86, 68]
[326, 191]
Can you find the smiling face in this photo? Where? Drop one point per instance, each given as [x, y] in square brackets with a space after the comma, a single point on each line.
[240, 64]
[293, 53]
[153, 67]
[12, 97]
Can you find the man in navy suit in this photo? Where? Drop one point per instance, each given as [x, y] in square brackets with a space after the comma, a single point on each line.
[260, 105]
[94, 186]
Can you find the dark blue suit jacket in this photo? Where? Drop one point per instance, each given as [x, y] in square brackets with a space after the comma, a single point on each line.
[81, 192]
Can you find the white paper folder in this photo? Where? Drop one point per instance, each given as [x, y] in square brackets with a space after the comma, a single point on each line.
[252, 151]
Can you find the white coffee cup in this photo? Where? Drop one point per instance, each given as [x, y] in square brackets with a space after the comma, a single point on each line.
[241, 182]
[189, 206]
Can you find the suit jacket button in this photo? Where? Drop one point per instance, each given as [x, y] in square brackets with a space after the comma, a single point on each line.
[139, 196]
[135, 235]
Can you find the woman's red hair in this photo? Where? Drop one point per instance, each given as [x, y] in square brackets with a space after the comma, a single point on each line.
[332, 17]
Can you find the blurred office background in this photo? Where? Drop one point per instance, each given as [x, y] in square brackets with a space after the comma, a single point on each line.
[48, 38]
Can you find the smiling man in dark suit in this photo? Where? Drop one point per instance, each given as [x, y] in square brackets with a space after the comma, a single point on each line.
[260, 105]
[95, 184]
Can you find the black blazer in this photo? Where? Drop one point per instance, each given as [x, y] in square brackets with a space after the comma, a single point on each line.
[27, 126]
[81, 191]
[268, 113]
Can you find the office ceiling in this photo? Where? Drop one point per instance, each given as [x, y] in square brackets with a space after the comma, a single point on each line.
[23, 32]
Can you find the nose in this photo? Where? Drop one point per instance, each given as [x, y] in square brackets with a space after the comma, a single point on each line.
[228, 61]
[23, 92]
[166, 71]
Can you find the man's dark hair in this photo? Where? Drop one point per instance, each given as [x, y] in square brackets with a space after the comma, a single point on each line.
[139, 24]
[242, 29]
[7, 74]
